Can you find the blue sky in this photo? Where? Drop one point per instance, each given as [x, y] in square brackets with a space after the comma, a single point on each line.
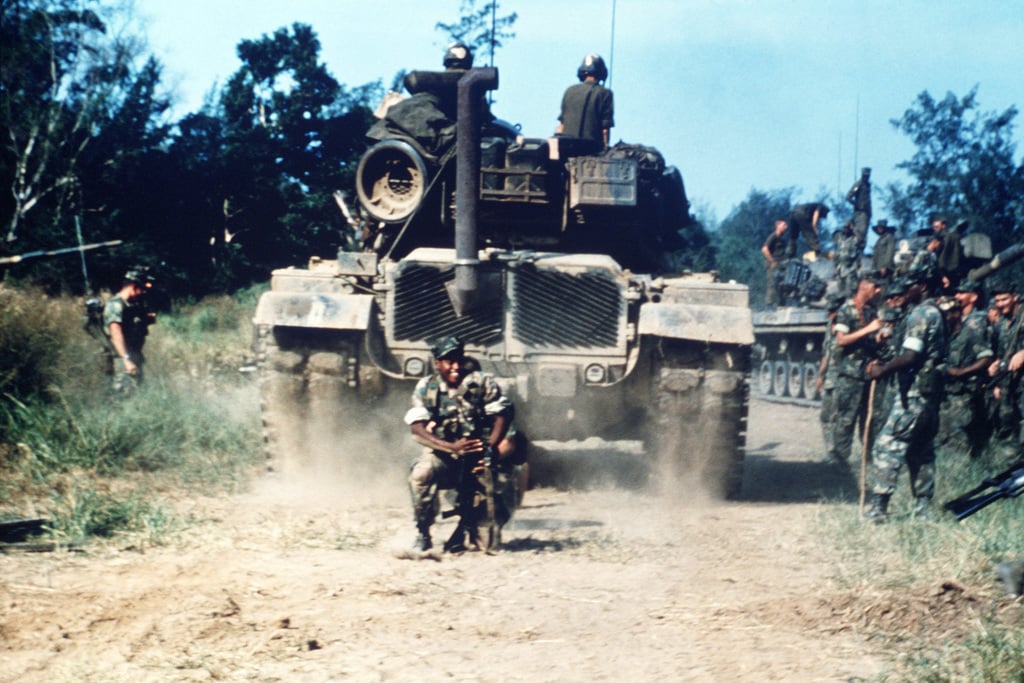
[736, 93]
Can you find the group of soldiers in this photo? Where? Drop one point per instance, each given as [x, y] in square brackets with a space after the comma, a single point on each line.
[923, 364]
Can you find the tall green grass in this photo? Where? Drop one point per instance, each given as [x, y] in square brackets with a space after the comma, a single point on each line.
[941, 572]
[96, 466]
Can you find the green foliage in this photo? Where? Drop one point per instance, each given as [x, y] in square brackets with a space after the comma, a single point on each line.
[81, 114]
[964, 166]
[909, 557]
[195, 420]
[739, 237]
[480, 28]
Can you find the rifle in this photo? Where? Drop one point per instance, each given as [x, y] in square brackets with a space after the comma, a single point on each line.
[1006, 484]
[475, 481]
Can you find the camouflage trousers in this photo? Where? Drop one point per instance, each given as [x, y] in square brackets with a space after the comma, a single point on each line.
[1005, 415]
[908, 437]
[851, 400]
[434, 471]
[963, 429]
[861, 219]
[123, 385]
[828, 421]
[885, 393]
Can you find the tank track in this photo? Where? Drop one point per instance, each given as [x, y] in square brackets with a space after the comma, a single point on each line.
[307, 382]
[697, 430]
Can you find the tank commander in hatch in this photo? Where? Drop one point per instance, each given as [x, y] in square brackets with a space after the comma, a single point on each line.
[459, 412]
[588, 108]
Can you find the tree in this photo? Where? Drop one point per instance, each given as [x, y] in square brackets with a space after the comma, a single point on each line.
[259, 170]
[76, 114]
[480, 28]
[739, 237]
[964, 167]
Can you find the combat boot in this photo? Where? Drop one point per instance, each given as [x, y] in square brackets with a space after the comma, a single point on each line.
[879, 511]
[422, 543]
[922, 508]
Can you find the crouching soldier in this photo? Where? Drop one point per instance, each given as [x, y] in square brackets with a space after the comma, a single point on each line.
[464, 421]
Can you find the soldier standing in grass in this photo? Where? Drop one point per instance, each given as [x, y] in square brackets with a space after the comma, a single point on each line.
[908, 434]
[1006, 372]
[890, 339]
[855, 327]
[963, 428]
[126, 321]
[826, 381]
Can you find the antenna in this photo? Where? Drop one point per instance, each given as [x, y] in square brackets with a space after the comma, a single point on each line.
[856, 137]
[839, 166]
[611, 49]
[494, 10]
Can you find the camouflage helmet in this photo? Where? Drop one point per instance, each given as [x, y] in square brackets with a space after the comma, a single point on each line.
[139, 275]
[594, 66]
[450, 347]
[897, 287]
[947, 304]
[969, 286]
[922, 269]
[458, 56]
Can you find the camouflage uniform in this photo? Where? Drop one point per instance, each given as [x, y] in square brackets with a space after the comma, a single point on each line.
[851, 394]
[1006, 412]
[885, 387]
[828, 400]
[134, 320]
[908, 435]
[847, 261]
[452, 413]
[962, 428]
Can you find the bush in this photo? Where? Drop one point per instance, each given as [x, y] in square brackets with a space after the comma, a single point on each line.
[195, 419]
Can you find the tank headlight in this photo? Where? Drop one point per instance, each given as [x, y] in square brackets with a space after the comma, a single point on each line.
[594, 374]
[414, 366]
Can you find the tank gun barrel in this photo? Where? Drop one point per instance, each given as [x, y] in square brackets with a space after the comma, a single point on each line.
[8, 260]
[1004, 258]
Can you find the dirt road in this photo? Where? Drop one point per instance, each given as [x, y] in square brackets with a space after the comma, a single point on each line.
[299, 584]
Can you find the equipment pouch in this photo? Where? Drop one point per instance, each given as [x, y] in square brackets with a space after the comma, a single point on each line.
[905, 425]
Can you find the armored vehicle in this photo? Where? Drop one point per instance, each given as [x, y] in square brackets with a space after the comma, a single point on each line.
[551, 261]
[790, 338]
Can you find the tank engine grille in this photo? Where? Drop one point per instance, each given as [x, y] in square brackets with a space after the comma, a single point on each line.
[559, 309]
[423, 310]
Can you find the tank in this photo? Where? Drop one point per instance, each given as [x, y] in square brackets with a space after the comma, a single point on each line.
[789, 339]
[550, 260]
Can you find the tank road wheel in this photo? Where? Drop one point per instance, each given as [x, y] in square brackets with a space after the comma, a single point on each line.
[811, 381]
[795, 383]
[780, 378]
[764, 378]
[697, 429]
